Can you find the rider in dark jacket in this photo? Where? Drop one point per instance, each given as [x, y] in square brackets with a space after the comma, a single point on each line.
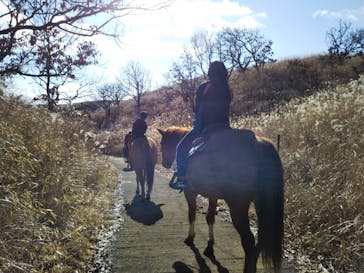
[139, 126]
[212, 106]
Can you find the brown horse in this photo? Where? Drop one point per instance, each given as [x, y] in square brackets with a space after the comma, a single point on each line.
[241, 168]
[143, 157]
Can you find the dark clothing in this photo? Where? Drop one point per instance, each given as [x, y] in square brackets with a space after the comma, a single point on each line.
[182, 150]
[139, 128]
[127, 138]
[212, 104]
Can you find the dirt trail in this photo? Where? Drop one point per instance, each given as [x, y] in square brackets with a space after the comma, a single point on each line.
[150, 239]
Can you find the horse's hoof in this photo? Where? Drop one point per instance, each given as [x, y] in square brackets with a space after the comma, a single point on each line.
[147, 197]
[209, 251]
[189, 241]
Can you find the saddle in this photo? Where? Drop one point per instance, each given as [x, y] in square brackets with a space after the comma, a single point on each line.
[199, 144]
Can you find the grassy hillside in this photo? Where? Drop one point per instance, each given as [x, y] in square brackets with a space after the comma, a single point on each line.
[253, 92]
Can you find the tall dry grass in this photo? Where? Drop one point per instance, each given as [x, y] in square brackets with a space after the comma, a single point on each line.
[52, 192]
[322, 150]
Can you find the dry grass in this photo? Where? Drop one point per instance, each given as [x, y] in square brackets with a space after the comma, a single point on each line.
[52, 192]
[323, 153]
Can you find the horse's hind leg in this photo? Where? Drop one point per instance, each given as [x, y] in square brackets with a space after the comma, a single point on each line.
[210, 218]
[142, 182]
[191, 201]
[137, 182]
[240, 218]
[150, 180]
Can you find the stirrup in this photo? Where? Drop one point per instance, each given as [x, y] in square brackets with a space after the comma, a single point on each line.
[177, 184]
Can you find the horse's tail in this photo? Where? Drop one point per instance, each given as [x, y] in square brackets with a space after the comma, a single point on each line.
[270, 205]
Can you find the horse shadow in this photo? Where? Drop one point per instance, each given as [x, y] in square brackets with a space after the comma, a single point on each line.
[144, 211]
[181, 267]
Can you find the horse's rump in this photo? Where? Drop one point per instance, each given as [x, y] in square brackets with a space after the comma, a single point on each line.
[143, 155]
[140, 148]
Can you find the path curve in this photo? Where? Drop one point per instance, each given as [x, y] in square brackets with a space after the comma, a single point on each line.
[150, 238]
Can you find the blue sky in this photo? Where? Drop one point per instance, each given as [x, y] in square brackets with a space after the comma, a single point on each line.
[298, 28]
[156, 39]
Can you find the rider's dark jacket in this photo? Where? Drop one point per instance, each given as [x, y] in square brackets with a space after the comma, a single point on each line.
[139, 128]
[212, 104]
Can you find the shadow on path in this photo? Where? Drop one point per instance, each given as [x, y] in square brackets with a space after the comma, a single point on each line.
[144, 211]
[181, 267]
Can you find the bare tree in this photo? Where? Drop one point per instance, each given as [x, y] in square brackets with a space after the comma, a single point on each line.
[110, 94]
[344, 41]
[21, 19]
[237, 48]
[135, 80]
[241, 48]
[184, 74]
[53, 61]
[35, 36]
[203, 47]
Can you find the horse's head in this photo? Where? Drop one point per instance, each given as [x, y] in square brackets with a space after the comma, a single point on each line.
[170, 138]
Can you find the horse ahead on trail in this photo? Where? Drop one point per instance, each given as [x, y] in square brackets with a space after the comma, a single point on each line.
[143, 157]
[239, 167]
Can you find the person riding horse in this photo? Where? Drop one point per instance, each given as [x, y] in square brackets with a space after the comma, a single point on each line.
[143, 156]
[213, 98]
[140, 126]
[127, 139]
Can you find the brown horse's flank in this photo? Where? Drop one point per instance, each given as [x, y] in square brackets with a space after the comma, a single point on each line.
[239, 167]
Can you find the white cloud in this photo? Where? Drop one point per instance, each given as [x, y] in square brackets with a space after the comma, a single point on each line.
[157, 38]
[345, 14]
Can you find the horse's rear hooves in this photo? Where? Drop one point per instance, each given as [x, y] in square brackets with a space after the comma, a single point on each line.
[189, 241]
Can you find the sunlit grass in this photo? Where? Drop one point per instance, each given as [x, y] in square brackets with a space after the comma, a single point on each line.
[322, 148]
[52, 192]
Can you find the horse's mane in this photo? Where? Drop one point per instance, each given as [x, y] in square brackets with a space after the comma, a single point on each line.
[176, 130]
[263, 138]
[180, 130]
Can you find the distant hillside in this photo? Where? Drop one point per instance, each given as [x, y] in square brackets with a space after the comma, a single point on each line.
[88, 105]
[254, 92]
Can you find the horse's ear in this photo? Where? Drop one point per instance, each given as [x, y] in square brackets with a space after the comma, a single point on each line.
[161, 131]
